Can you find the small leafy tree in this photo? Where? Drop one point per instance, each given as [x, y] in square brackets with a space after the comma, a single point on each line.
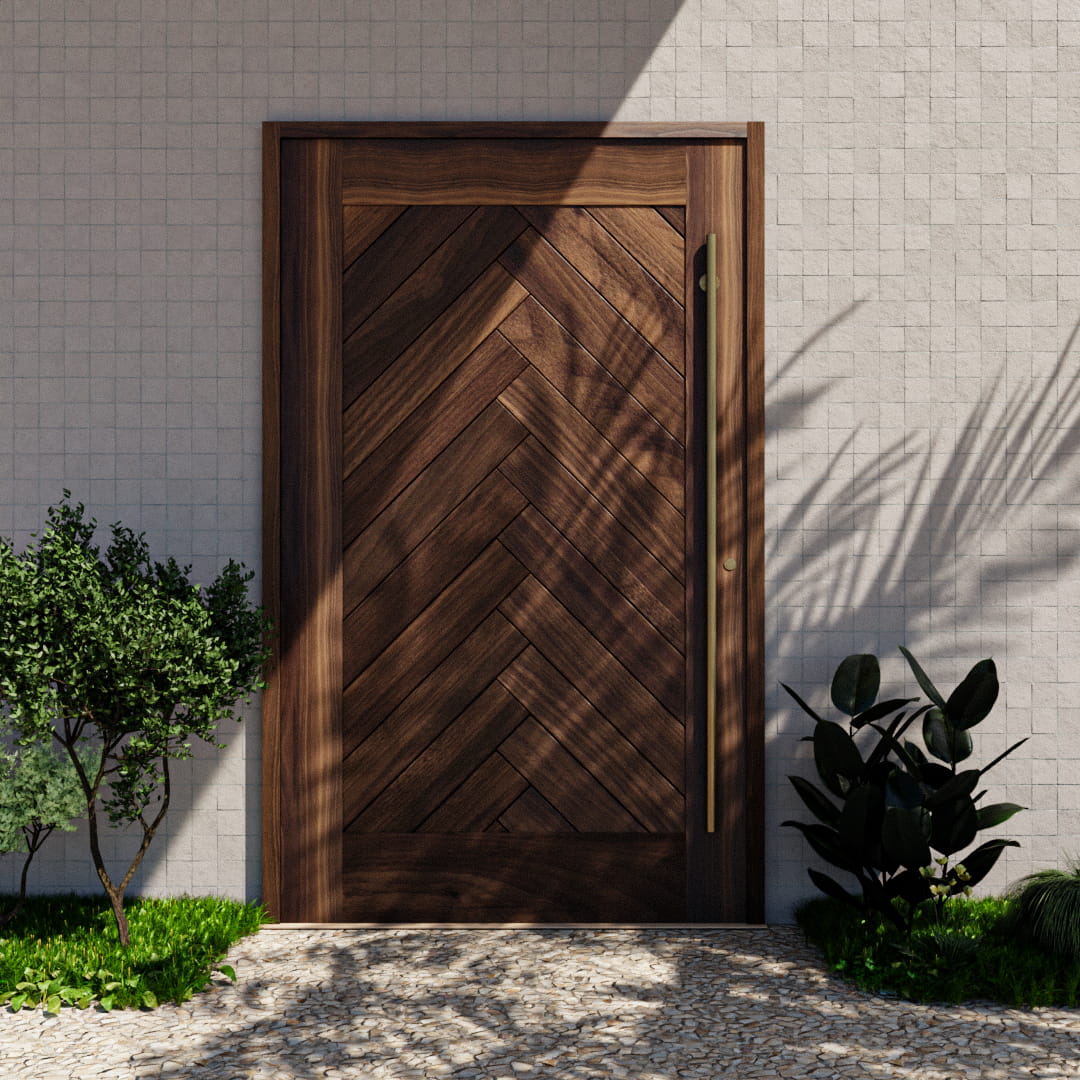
[39, 792]
[124, 656]
[894, 807]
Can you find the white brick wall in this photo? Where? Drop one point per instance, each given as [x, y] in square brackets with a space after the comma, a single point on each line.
[923, 264]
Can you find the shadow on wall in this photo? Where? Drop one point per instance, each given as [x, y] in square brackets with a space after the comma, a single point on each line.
[937, 539]
[571, 1004]
[893, 554]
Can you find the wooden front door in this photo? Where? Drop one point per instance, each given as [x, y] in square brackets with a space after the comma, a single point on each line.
[485, 529]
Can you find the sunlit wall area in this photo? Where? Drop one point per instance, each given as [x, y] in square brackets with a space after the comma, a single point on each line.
[923, 263]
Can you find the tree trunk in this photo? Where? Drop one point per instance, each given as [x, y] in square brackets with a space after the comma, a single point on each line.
[37, 836]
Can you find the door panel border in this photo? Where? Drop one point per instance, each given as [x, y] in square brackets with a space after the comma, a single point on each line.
[301, 711]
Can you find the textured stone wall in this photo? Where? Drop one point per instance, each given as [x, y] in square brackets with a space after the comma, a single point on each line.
[923, 258]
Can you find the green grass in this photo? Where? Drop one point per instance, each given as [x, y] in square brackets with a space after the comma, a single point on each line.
[977, 952]
[65, 950]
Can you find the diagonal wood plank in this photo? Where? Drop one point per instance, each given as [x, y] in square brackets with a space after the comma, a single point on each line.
[599, 327]
[376, 691]
[564, 782]
[675, 216]
[479, 801]
[422, 367]
[610, 547]
[651, 240]
[392, 258]
[427, 500]
[594, 741]
[427, 432]
[444, 554]
[598, 675]
[463, 744]
[530, 812]
[615, 274]
[599, 397]
[363, 225]
[620, 487]
[598, 606]
[375, 752]
[426, 294]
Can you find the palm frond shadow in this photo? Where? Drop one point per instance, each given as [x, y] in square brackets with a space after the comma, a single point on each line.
[920, 527]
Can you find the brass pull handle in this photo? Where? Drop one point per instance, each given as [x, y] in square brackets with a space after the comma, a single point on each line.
[709, 284]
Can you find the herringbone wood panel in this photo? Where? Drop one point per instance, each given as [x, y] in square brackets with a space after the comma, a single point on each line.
[514, 655]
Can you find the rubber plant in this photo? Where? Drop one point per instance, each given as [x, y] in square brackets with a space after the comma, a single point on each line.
[892, 813]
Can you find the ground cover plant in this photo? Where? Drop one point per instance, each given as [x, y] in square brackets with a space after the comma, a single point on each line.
[971, 952]
[63, 950]
[1047, 909]
[119, 661]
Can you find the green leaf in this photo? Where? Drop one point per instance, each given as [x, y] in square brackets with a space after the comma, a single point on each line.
[228, 971]
[904, 835]
[944, 740]
[816, 802]
[980, 862]
[835, 752]
[855, 684]
[52, 1005]
[17, 1001]
[107, 1002]
[953, 826]
[802, 704]
[860, 822]
[880, 710]
[832, 888]
[149, 999]
[995, 814]
[973, 699]
[928, 688]
[957, 786]
[825, 843]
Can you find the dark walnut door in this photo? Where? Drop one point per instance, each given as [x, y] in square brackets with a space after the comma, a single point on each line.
[490, 555]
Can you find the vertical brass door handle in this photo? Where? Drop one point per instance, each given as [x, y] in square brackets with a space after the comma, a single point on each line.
[709, 283]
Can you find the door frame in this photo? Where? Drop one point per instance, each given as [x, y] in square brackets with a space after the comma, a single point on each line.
[301, 724]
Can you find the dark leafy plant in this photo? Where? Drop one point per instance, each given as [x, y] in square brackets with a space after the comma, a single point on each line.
[889, 815]
[124, 658]
[1046, 910]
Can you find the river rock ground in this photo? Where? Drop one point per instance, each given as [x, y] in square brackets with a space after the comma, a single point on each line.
[580, 1004]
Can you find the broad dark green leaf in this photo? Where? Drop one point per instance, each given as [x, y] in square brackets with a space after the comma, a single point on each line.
[833, 888]
[980, 862]
[944, 740]
[824, 842]
[880, 710]
[928, 688]
[961, 784]
[902, 789]
[855, 684]
[816, 801]
[904, 835]
[953, 826]
[835, 752]
[973, 699]
[995, 814]
[859, 829]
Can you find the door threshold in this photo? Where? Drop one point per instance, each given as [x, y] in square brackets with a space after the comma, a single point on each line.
[509, 926]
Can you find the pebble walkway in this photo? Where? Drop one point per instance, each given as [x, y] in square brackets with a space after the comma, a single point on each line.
[521, 1004]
